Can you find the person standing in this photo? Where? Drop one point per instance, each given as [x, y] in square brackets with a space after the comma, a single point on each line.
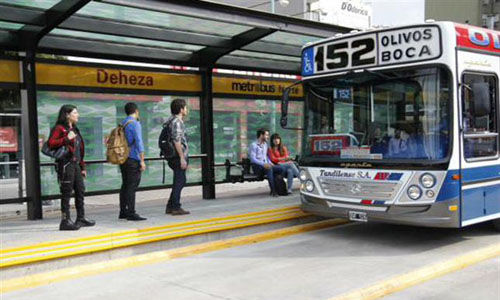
[259, 159]
[278, 154]
[178, 163]
[134, 165]
[71, 168]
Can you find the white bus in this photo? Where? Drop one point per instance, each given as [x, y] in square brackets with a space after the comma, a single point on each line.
[401, 125]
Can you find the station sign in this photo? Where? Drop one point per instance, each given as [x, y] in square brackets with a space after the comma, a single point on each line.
[79, 76]
[256, 87]
[388, 47]
[9, 71]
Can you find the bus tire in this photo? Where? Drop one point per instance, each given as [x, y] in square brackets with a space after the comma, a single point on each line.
[496, 224]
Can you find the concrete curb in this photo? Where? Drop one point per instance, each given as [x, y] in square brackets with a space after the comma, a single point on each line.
[71, 247]
[155, 257]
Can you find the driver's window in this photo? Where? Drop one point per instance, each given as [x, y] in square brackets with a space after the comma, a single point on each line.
[479, 116]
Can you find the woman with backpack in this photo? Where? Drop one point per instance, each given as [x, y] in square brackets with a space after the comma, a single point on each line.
[278, 154]
[71, 167]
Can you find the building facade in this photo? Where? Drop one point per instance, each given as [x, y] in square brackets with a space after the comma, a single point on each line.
[483, 13]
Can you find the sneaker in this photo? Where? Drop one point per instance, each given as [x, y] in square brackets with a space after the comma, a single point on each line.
[168, 210]
[178, 212]
[122, 215]
[136, 217]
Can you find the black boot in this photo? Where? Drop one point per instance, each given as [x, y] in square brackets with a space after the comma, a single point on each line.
[84, 222]
[80, 218]
[67, 224]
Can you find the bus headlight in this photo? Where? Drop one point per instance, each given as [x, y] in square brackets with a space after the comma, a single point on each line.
[414, 192]
[427, 180]
[302, 175]
[309, 186]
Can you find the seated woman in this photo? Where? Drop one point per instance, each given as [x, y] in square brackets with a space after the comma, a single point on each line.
[278, 154]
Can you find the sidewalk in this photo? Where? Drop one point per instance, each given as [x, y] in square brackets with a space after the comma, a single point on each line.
[232, 199]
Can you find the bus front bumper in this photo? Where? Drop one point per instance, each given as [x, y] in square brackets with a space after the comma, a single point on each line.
[435, 215]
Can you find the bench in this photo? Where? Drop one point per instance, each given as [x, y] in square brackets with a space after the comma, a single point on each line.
[244, 172]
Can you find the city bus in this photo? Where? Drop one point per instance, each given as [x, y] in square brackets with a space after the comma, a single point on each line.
[401, 125]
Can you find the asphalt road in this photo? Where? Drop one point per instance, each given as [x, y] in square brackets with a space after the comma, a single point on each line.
[314, 265]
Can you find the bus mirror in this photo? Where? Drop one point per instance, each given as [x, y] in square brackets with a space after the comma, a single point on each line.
[481, 97]
[284, 107]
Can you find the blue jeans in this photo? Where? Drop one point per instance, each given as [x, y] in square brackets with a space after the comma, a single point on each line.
[260, 171]
[174, 202]
[291, 171]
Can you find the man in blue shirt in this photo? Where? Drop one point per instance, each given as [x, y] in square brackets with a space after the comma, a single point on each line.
[134, 166]
[261, 164]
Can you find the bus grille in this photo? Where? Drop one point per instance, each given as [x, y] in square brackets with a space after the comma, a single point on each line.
[359, 189]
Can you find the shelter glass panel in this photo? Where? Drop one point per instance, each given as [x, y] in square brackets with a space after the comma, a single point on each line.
[290, 38]
[236, 122]
[99, 114]
[160, 19]
[43, 4]
[124, 40]
[10, 144]
[10, 26]
[250, 54]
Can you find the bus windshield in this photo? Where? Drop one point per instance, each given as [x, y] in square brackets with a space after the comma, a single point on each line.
[378, 116]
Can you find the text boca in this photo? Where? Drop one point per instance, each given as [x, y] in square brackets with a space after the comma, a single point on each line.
[120, 78]
[408, 45]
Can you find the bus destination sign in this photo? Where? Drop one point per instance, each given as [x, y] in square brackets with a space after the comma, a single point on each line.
[373, 49]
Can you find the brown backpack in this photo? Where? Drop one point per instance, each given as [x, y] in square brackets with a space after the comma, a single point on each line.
[117, 146]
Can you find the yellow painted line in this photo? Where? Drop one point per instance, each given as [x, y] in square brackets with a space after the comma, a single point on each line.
[149, 232]
[115, 234]
[114, 244]
[404, 281]
[155, 257]
[67, 248]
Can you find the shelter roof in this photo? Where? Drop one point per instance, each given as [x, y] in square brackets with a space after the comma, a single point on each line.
[179, 32]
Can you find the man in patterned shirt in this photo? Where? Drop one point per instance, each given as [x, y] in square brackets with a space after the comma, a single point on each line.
[179, 162]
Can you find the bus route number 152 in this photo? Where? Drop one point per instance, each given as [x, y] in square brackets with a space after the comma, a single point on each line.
[346, 54]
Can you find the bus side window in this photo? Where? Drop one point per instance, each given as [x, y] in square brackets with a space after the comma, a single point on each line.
[480, 118]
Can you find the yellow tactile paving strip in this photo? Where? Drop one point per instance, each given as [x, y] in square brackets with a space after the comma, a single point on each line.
[71, 273]
[65, 248]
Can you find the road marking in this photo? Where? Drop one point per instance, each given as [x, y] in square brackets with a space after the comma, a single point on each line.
[404, 281]
[155, 257]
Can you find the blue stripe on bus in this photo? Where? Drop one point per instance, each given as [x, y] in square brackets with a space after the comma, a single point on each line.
[480, 201]
[482, 173]
[450, 188]
[395, 176]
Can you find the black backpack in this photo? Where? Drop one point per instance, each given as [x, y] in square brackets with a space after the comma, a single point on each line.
[280, 185]
[167, 149]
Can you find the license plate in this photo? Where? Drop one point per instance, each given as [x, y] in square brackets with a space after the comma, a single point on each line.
[358, 216]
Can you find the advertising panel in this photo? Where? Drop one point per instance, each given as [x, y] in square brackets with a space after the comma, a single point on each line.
[8, 140]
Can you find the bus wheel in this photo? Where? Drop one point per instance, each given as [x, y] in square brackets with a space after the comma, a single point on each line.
[496, 223]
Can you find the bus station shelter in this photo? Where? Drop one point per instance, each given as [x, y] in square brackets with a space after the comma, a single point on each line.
[199, 34]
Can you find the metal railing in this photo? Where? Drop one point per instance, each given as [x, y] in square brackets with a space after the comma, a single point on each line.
[203, 157]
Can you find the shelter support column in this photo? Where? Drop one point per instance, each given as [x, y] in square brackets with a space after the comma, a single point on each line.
[29, 127]
[207, 133]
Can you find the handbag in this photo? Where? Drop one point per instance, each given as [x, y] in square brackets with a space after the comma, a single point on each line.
[58, 153]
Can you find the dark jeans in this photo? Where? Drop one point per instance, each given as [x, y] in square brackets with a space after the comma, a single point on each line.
[70, 178]
[261, 171]
[131, 177]
[174, 202]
